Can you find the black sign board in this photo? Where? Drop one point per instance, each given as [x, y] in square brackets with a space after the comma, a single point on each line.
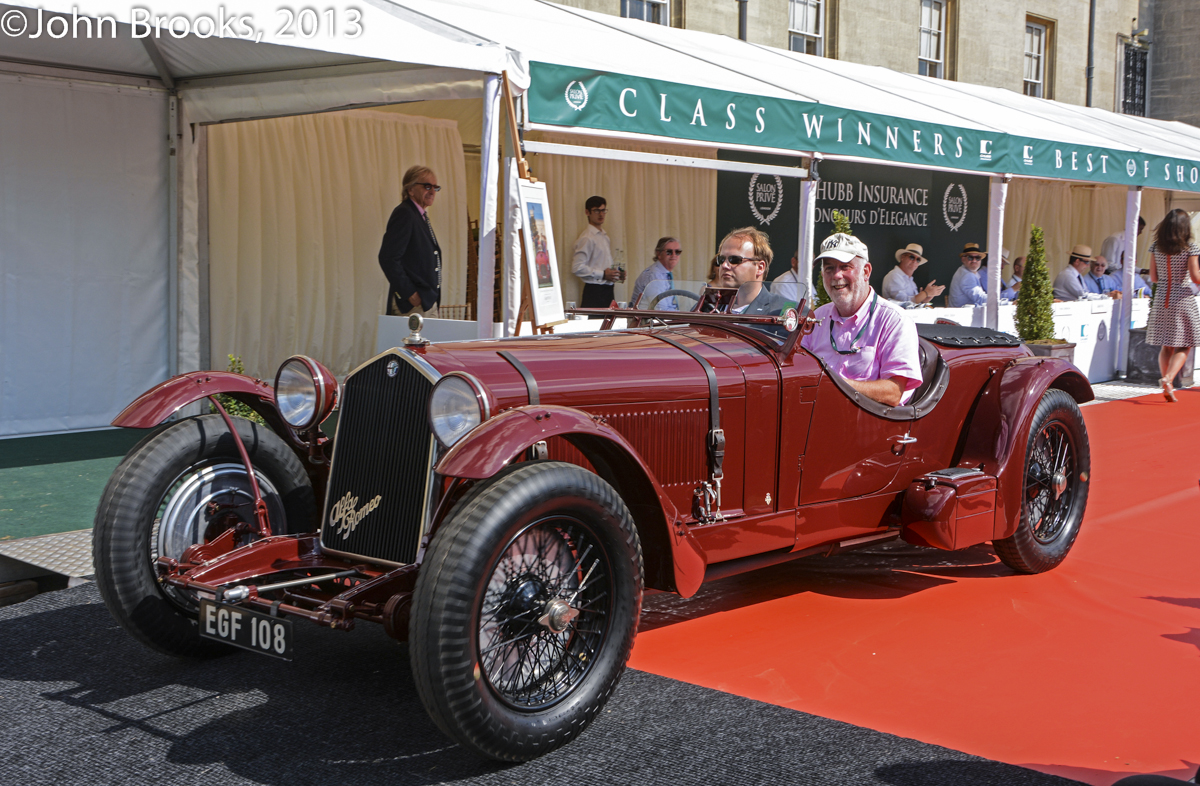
[769, 203]
[888, 206]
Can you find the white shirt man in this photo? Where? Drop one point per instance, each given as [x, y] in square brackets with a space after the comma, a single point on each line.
[1069, 285]
[591, 259]
[898, 285]
[789, 286]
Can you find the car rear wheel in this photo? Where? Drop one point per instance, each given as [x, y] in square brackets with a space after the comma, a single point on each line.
[182, 485]
[1054, 495]
[525, 610]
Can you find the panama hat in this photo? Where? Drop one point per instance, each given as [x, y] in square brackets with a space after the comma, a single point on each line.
[972, 248]
[1082, 252]
[914, 249]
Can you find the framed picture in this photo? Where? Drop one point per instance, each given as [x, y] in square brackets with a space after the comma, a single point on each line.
[541, 266]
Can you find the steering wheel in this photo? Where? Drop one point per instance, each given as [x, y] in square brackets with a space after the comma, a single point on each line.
[672, 293]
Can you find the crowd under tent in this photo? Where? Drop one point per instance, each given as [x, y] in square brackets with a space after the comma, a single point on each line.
[109, 281]
[268, 231]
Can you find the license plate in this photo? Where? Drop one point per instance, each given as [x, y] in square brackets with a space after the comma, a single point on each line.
[250, 630]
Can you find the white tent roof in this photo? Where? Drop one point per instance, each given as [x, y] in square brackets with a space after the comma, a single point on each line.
[400, 54]
[585, 41]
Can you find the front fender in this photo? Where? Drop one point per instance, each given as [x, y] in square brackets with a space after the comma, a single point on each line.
[161, 401]
[999, 433]
[491, 446]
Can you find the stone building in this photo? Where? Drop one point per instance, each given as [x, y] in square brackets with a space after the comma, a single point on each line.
[1039, 47]
[1174, 68]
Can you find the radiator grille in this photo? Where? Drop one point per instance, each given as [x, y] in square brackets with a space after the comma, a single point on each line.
[378, 493]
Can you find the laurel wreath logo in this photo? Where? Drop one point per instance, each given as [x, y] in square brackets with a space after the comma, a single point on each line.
[573, 101]
[954, 226]
[778, 200]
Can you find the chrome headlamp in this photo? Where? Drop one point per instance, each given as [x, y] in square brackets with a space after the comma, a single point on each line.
[456, 405]
[305, 392]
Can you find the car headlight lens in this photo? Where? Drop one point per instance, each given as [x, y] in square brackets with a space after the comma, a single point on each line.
[305, 392]
[455, 407]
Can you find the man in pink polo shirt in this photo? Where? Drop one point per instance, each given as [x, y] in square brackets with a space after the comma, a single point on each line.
[860, 336]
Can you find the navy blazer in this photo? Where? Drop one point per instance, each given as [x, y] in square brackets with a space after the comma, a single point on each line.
[411, 258]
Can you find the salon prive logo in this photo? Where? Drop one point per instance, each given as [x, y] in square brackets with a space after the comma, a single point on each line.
[576, 95]
[766, 197]
[954, 206]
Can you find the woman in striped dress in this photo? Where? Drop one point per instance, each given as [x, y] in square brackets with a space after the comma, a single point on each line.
[1174, 323]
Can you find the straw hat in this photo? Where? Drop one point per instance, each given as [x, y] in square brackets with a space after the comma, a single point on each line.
[972, 248]
[1082, 252]
[914, 249]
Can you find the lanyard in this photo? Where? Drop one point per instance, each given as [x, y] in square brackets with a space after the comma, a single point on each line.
[853, 349]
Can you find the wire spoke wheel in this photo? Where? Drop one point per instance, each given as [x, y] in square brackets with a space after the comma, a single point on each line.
[530, 654]
[1050, 482]
[1055, 487]
[525, 609]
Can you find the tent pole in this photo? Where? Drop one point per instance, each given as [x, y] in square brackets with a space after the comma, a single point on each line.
[808, 219]
[1124, 306]
[173, 164]
[995, 248]
[489, 178]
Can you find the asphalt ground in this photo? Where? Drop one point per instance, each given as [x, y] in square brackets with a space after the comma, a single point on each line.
[83, 703]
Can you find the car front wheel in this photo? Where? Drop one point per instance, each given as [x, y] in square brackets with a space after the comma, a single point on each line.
[182, 485]
[525, 610]
[1055, 487]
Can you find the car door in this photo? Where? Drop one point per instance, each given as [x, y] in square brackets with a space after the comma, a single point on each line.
[850, 452]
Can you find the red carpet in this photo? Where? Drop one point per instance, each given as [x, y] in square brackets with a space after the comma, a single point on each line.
[1090, 671]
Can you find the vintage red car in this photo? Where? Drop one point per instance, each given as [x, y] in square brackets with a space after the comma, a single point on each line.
[502, 504]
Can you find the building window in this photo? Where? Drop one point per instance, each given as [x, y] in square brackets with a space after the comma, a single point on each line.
[807, 27]
[1133, 80]
[1035, 60]
[655, 11]
[932, 60]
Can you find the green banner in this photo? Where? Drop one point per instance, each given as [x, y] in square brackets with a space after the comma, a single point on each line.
[581, 98]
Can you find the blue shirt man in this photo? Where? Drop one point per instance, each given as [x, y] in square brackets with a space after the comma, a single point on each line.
[966, 288]
[1097, 279]
[659, 277]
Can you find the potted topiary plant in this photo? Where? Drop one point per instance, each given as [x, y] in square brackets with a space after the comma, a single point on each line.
[1035, 305]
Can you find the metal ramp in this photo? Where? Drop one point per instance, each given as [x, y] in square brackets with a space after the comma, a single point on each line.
[64, 553]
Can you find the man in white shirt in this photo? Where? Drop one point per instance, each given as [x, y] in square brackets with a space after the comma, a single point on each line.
[1113, 249]
[898, 285]
[789, 286]
[592, 260]
[1068, 285]
[1012, 287]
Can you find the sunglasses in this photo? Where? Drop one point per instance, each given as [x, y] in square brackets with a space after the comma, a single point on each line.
[974, 257]
[429, 187]
[674, 252]
[733, 260]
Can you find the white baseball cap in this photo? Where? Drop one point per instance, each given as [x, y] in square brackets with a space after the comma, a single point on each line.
[843, 248]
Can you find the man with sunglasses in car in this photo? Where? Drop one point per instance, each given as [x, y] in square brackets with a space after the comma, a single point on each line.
[410, 255]
[861, 337]
[743, 259]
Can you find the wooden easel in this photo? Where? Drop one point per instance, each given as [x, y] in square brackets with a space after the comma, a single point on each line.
[522, 172]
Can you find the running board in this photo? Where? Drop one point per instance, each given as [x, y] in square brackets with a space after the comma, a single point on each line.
[722, 570]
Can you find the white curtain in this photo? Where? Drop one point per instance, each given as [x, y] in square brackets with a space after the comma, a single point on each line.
[297, 210]
[1070, 215]
[645, 202]
[84, 262]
